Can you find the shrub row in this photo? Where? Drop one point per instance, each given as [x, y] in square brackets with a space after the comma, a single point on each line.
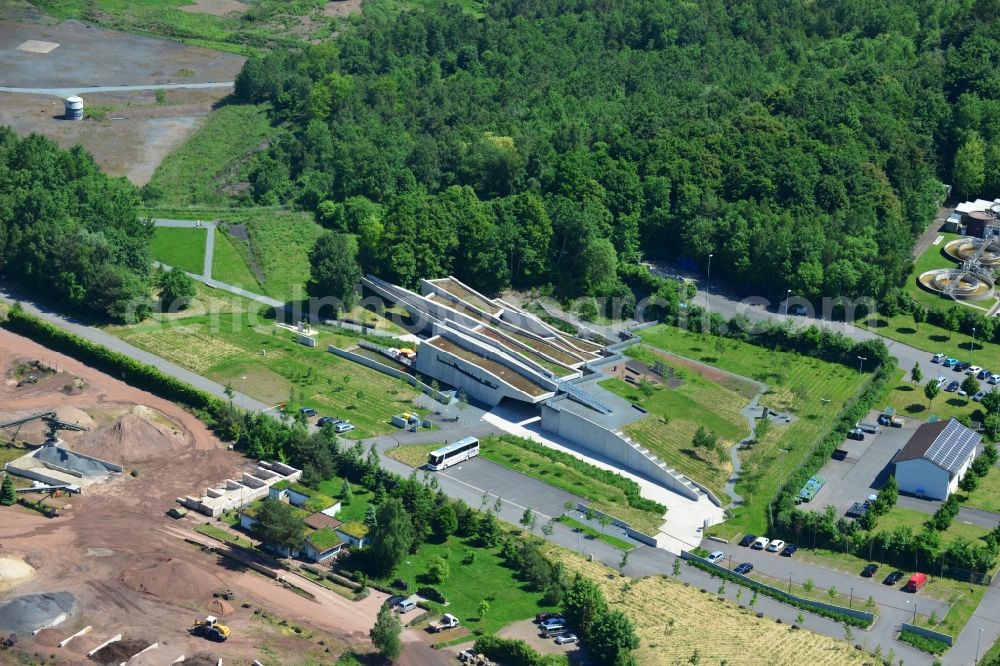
[929, 645]
[514, 652]
[783, 597]
[627, 486]
[432, 594]
[137, 374]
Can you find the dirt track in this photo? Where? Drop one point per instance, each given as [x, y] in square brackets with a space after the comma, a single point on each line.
[120, 525]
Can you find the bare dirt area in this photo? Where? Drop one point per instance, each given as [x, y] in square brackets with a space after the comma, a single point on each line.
[89, 56]
[131, 142]
[341, 8]
[113, 561]
[215, 7]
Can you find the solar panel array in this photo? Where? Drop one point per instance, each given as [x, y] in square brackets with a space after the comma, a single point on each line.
[953, 446]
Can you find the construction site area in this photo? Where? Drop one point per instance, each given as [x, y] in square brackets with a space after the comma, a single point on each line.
[93, 569]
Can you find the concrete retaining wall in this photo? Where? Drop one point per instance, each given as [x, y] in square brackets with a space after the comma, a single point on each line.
[392, 372]
[927, 633]
[613, 447]
[780, 594]
[34, 474]
[303, 339]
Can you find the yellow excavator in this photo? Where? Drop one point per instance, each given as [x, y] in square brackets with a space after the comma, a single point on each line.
[211, 629]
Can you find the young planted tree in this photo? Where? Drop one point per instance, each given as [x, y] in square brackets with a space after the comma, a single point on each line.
[386, 634]
[528, 520]
[176, 290]
[931, 391]
[438, 569]
[919, 315]
[971, 387]
[8, 495]
[916, 374]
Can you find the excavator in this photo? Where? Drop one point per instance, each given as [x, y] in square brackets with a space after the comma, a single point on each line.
[211, 629]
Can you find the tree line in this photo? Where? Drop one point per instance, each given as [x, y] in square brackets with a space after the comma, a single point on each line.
[803, 145]
[70, 233]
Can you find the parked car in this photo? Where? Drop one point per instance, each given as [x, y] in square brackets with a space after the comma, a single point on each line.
[341, 427]
[897, 423]
[857, 434]
[744, 568]
[973, 370]
[941, 380]
[952, 387]
[949, 362]
[884, 419]
[542, 617]
[994, 379]
[395, 600]
[839, 454]
[748, 539]
[716, 556]
[552, 621]
[979, 396]
[789, 550]
[325, 420]
[917, 581]
[857, 510]
[893, 578]
[553, 630]
[566, 638]
[937, 358]
[406, 605]
[308, 411]
[776, 546]
[760, 543]
[983, 374]
[869, 570]
[962, 366]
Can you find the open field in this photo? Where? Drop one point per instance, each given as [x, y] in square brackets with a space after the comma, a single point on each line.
[934, 339]
[797, 386]
[280, 244]
[276, 369]
[901, 517]
[673, 620]
[603, 496]
[675, 414]
[213, 157]
[414, 455]
[476, 574]
[229, 266]
[987, 495]
[182, 248]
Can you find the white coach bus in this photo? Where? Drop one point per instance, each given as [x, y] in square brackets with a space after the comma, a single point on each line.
[449, 455]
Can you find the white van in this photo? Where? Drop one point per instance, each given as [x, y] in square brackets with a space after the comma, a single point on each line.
[406, 605]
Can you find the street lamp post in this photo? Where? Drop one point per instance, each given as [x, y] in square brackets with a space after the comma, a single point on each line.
[788, 297]
[708, 284]
[826, 403]
[972, 347]
[861, 364]
[978, 638]
[850, 603]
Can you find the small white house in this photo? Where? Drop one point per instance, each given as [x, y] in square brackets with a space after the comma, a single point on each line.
[935, 459]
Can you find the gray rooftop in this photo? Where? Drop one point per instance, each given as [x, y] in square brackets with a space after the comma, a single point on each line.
[947, 444]
[622, 412]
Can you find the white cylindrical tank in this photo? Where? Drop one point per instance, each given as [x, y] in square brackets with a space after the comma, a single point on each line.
[74, 108]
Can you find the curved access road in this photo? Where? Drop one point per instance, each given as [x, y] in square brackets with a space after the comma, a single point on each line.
[68, 92]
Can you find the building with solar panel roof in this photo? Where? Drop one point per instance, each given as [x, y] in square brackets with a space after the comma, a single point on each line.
[935, 459]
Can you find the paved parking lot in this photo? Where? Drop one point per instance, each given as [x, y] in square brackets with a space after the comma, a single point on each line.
[865, 469]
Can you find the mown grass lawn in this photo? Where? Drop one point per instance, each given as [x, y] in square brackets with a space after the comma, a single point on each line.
[183, 248]
[908, 399]
[592, 533]
[602, 496]
[414, 455]
[902, 517]
[219, 152]
[933, 339]
[798, 384]
[227, 349]
[987, 495]
[476, 574]
[675, 414]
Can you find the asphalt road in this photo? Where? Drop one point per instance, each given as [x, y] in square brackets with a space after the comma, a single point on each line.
[67, 92]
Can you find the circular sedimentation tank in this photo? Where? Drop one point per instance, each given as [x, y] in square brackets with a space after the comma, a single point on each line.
[74, 108]
[959, 283]
[965, 249]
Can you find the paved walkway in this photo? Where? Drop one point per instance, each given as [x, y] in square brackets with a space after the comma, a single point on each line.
[68, 92]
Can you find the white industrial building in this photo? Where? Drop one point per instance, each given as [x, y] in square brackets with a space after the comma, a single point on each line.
[935, 459]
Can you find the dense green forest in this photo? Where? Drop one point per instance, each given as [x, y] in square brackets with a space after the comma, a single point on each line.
[69, 232]
[804, 144]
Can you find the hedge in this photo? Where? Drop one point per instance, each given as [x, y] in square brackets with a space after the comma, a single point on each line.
[929, 645]
[627, 486]
[432, 594]
[140, 375]
[781, 596]
[514, 652]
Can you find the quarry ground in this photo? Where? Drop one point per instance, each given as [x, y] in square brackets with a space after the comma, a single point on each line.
[118, 530]
[134, 132]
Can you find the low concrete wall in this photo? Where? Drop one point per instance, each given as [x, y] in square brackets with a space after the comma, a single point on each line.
[359, 328]
[927, 633]
[392, 372]
[34, 474]
[303, 339]
[612, 446]
[635, 534]
[780, 594]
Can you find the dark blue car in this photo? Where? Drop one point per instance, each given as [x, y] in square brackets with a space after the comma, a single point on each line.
[744, 568]
[789, 550]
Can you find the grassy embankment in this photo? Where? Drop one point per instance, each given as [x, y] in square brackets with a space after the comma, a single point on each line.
[797, 386]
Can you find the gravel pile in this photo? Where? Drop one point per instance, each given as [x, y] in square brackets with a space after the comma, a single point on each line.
[55, 455]
[23, 614]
